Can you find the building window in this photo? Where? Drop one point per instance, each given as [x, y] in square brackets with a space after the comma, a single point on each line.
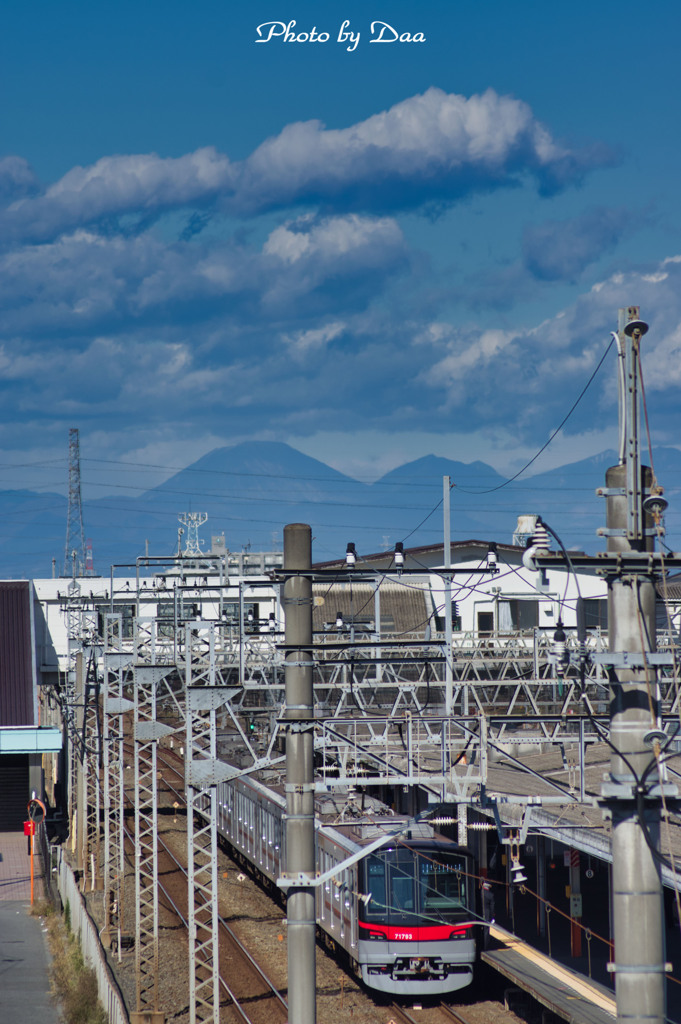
[165, 615]
[596, 612]
[518, 615]
[485, 623]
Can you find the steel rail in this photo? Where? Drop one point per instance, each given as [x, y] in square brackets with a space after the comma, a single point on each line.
[453, 1014]
[272, 989]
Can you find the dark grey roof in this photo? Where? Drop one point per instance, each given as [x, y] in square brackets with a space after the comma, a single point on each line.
[429, 555]
[16, 654]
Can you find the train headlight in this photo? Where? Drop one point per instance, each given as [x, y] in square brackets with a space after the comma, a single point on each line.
[376, 935]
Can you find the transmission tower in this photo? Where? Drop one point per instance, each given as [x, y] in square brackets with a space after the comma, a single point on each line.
[74, 549]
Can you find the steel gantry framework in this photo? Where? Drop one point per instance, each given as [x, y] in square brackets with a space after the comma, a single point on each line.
[91, 762]
[205, 696]
[75, 640]
[379, 720]
[150, 667]
[116, 666]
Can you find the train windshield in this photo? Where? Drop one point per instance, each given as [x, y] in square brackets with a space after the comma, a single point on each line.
[442, 884]
[408, 885]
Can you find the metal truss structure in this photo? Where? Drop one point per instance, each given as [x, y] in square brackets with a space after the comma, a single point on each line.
[74, 547]
[115, 671]
[379, 705]
[205, 695]
[75, 640]
[149, 668]
[91, 758]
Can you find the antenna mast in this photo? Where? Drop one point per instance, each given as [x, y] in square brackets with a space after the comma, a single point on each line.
[192, 521]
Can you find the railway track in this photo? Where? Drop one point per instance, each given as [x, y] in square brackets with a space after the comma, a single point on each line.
[441, 1014]
[248, 995]
[453, 1015]
[248, 984]
[258, 1001]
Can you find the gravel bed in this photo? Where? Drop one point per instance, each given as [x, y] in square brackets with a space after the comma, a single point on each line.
[259, 922]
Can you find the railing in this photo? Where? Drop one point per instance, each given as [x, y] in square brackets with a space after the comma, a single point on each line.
[82, 925]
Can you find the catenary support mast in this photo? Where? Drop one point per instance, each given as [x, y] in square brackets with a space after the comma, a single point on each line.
[300, 838]
[638, 918]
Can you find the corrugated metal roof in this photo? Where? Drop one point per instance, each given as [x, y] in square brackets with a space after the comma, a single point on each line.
[16, 654]
[671, 588]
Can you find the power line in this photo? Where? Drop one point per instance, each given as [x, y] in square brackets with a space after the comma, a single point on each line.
[556, 431]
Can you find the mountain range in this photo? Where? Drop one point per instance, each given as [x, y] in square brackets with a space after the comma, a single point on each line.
[250, 491]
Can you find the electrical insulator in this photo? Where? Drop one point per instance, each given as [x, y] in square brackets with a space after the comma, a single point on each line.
[398, 557]
[559, 649]
[518, 876]
[540, 537]
[492, 557]
[350, 556]
[339, 620]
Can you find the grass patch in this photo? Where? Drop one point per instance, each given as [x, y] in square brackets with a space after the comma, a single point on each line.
[73, 983]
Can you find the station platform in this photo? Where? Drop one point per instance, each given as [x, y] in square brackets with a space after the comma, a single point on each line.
[24, 955]
[566, 993]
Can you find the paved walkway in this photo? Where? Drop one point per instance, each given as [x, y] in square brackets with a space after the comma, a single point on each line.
[24, 956]
[15, 868]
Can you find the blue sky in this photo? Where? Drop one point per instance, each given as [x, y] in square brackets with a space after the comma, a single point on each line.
[372, 254]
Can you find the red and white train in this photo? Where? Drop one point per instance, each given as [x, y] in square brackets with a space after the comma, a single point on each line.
[404, 915]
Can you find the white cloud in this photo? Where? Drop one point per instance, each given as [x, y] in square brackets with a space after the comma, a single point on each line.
[86, 281]
[430, 147]
[331, 238]
[302, 342]
[530, 376]
[16, 179]
[117, 185]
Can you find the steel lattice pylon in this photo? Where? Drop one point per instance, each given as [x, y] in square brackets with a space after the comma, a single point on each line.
[91, 760]
[147, 674]
[116, 663]
[203, 772]
[75, 533]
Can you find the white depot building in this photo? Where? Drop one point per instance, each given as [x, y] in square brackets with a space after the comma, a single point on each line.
[509, 598]
[248, 605]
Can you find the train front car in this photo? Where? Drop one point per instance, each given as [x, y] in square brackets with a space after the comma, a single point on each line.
[416, 921]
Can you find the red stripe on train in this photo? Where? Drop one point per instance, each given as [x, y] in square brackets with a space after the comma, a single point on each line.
[427, 933]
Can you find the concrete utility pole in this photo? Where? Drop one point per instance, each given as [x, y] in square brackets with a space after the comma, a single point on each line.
[637, 905]
[447, 552]
[300, 832]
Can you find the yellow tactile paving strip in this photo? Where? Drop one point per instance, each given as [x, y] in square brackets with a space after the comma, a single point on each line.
[579, 985]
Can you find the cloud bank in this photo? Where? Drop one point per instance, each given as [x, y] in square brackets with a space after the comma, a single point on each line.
[119, 307]
[435, 147]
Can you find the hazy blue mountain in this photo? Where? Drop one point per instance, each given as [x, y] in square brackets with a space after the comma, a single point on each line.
[32, 532]
[250, 491]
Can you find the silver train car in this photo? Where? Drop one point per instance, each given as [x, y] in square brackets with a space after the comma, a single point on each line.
[404, 915]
